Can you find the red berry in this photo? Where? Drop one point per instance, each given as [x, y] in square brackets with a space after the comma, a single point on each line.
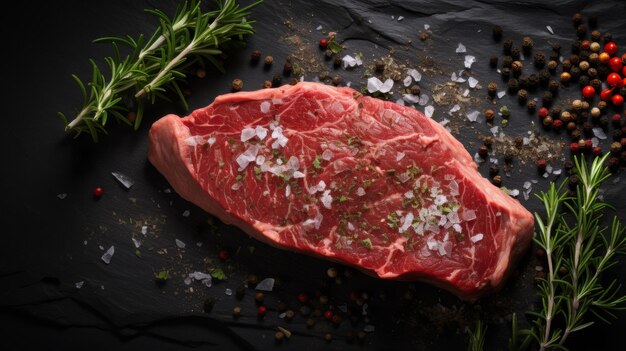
[328, 314]
[617, 100]
[616, 64]
[323, 43]
[573, 147]
[223, 255]
[610, 48]
[617, 120]
[606, 94]
[624, 71]
[597, 150]
[557, 124]
[542, 164]
[589, 92]
[303, 297]
[588, 144]
[585, 44]
[98, 192]
[543, 112]
[262, 310]
[614, 79]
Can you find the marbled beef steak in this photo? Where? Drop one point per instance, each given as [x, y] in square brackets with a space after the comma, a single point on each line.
[358, 180]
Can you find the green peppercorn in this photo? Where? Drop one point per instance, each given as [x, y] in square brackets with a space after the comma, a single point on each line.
[547, 122]
[506, 113]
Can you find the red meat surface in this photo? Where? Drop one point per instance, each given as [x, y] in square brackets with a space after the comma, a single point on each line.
[328, 172]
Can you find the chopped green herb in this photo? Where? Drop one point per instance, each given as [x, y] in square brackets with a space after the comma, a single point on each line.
[276, 153]
[367, 243]
[251, 249]
[162, 275]
[317, 162]
[239, 177]
[344, 198]
[414, 170]
[220, 164]
[335, 47]
[137, 253]
[393, 220]
[218, 274]
[367, 183]
[391, 172]
[231, 141]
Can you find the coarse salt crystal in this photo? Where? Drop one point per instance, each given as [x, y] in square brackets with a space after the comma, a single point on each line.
[501, 94]
[550, 29]
[466, 92]
[429, 110]
[62, 196]
[287, 190]
[236, 186]
[327, 155]
[348, 61]
[327, 199]
[469, 215]
[211, 141]
[106, 257]
[455, 108]
[399, 156]
[265, 107]
[469, 60]
[460, 49]
[415, 74]
[423, 99]
[180, 244]
[527, 185]
[298, 174]
[266, 284]
[186, 213]
[473, 116]
[476, 238]
[79, 284]
[360, 191]
[410, 98]
[400, 18]
[409, 194]
[125, 180]
[261, 132]
[247, 134]
[136, 242]
[599, 133]
[374, 84]
[407, 81]
[472, 82]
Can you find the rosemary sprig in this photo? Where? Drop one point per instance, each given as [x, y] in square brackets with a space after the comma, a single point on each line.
[156, 66]
[578, 251]
[477, 337]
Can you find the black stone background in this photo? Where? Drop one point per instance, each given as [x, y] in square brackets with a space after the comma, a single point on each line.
[42, 251]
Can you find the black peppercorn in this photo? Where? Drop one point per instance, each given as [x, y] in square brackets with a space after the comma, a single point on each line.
[523, 81]
[592, 73]
[554, 56]
[552, 65]
[581, 31]
[336, 80]
[567, 65]
[575, 47]
[555, 112]
[287, 68]
[208, 304]
[507, 61]
[593, 21]
[415, 89]
[268, 60]
[328, 54]
[556, 47]
[533, 82]
[279, 337]
[583, 81]
[553, 86]
[277, 80]
[575, 73]
[497, 180]
[603, 71]
[596, 84]
[568, 166]
[522, 96]
[507, 45]
[493, 61]
[255, 56]
[483, 151]
[596, 35]
[527, 44]
[492, 89]
[513, 85]
[573, 182]
[539, 59]
[488, 141]
[584, 55]
[506, 73]
[617, 135]
[608, 37]
[508, 156]
[546, 98]
[337, 62]
[497, 33]
[519, 141]
[515, 53]
[240, 292]
[544, 77]
[577, 19]
[588, 128]
[604, 121]
[574, 59]
[237, 84]
[575, 135]
[379, 66]
[613, 164]
[493, 170]
[531, 105]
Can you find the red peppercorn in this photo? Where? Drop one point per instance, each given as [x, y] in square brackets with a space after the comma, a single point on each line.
[616, 119]
[614, 79]
[606, 94]
[610, 48]
[328, 314]
[585, 44]
[542, 164]
[323, 43]
[223, 255]
[262, 310]
[617, 100]
[624, 71]
[588, 144]
[597, 151]
[573, 147]
[98, 192]
[557, 124]
[616, 64]
[589, 92]
[543, 112]
[303, 297]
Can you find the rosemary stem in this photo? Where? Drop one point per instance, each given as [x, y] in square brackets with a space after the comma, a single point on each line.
[165, 70]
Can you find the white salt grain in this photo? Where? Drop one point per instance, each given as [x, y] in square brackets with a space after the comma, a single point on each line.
[62, 196]
[455, 108]
[144, 229]
[415, 74]
[400, 156]
[79, 284]
[180, 244]
[360, 191]
[469, 60]
[266, 284]
[106, 257]
[476, 238]
[461, 49]
[472, 116]
[125, 180]
[550, 29]
[327, 155]
[186, 213]
[265, 107]
[407, 81]
[501, 94]
[247, 134]
[136, 242]
[423, 99]
[228, 291]
[472, 82]
[429, 110]
[410, 98]
[599, 133]
[260, 132]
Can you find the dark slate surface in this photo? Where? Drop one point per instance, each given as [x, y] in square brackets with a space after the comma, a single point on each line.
[49, 244]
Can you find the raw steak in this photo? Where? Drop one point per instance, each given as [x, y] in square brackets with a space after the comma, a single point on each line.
[358, 180]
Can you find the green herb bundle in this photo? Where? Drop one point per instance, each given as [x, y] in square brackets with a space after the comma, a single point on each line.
[157, 65]
[579, 249]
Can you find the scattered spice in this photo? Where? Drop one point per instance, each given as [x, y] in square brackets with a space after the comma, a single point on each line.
[237, 84]
[268, 60]
[97, 192]
[255, 56]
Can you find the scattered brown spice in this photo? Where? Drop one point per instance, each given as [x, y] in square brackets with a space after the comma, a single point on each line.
[237, 84]
[268, 60]
[255, 56]
[267, 84]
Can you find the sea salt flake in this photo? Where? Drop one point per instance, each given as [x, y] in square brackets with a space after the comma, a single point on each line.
[429, 110]
[514, 192]
[144, 229]
[455, 108]
[466, 92]
[62, 196]
[125, 180]
[298, 174]
[106, 257]
[426, 26]
[550, 29]
[400, 18]
[527, 185]
[472, 82]
[228, 291]
[287, 190]
[501, 94]
[469, 60]
[494, 130]
[319, 27]
[136, 242]
[423, 99]
[211, 141]
[266, 284]
[348, 61]
[407, 81]
[265, 107]
[460, 49]
[180, 244]
[360, 191]
[557, 171]
[410, 98]
[327, 155]
[599, 133]
[444, 122]
[400, 156]
[247, 134]
[327, 199]
[186, 213]
[472, 116]
[415, 74]
[595, 142]
[261, 132]
[236, 186]
[79, 284]
[374, 84]
[468, 215]
[476, 238]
